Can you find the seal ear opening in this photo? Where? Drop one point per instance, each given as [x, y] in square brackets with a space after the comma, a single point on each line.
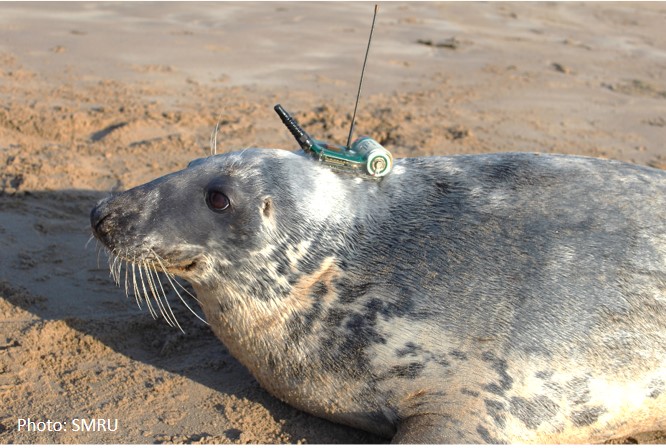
[267, 208]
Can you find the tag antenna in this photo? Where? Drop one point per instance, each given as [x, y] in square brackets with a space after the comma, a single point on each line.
[358, 95]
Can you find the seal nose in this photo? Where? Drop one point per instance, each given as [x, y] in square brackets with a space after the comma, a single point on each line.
[97, 216]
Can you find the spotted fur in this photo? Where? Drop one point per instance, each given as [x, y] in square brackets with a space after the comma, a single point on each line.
[486, 299]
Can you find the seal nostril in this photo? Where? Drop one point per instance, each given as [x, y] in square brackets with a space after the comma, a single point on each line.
[97, 221]
[98, 224]
[101, 233]
[96, 215]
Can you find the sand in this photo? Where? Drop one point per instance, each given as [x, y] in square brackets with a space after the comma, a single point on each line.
[100, 97]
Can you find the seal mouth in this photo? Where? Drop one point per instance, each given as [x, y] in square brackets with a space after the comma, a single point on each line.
[149, 277]
[177, 264]
[187, 266]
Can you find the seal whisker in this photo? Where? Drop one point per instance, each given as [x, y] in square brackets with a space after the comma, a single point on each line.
[92, 237]
[108, 257]
[166, 300]
[162, 299]
[153, 289]
[245, 149]
[112, 273]
[98, 248]
[185, 289]
[146, 296]
[126, 275]
[112, 267]
[99, 251]
[213, 136]
[171, 278]
[109, 261]
[137, 295]
[117, 268]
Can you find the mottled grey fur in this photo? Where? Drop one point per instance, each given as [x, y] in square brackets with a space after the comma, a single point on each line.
[483, 298]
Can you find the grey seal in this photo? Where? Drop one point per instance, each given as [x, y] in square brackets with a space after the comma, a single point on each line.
[469, 299]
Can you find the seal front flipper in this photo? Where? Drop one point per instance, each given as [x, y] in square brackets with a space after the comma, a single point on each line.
[440, 429]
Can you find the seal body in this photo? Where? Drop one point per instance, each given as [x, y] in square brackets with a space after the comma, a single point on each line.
[485, 298]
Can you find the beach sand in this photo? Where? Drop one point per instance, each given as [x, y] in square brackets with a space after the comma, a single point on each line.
[101, 97]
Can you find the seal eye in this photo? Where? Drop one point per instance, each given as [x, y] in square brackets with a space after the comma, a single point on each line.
[217, 201]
